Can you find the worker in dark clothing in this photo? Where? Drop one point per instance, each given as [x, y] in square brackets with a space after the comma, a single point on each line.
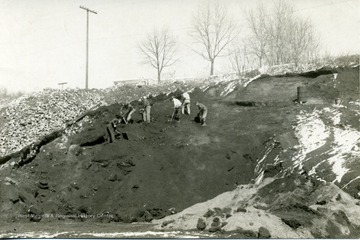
[146, 110]
[126, 111]
[202, 113]
[111, 130]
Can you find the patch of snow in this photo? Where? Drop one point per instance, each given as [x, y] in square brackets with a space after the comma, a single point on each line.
[32, 235]
[152, 234]
[336, 115]
[345, 145]
[204, 88]
[356, 103]
[191, 90]
[169, 234]
[251, 79]
[229, 88]
[311, 132]
[352, 180]
[267, 151]
[313, 169]
[277, 159]
[259, 178]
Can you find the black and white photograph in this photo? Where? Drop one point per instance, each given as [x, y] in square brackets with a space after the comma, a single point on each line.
[180, 119]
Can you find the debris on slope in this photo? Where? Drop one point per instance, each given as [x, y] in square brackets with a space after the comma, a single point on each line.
[250, 210]
[30, 118]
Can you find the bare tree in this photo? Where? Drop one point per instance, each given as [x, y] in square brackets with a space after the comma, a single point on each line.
[259, 34]
[313, 49]
[241, 60]
[279, 37]
[214, 30]
[278, 29]
[158, 49]
[301, 40]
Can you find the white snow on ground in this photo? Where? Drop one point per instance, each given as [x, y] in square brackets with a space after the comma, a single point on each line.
[32, 235]
[251, 79]
[344, 147]
[151, 234]
[259, 178]
[311, 133]
[357, 103]
[229, 88]
[146, 234]
[336, 115]
[260, 167]
[204, 88]
[268, 149]
[352, 180]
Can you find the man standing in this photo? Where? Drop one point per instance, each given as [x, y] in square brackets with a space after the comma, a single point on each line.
[185, 103]
[177, 105]
[147, 109]
[202, 113]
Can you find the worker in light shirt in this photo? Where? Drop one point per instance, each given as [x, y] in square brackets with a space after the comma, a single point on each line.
[177, 106]
[146, 109]
[186, 103]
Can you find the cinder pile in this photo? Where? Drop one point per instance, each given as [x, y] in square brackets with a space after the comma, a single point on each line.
[30, 118]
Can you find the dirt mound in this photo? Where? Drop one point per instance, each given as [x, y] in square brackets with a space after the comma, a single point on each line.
[133, 179]
[158, 169]
[290, 207]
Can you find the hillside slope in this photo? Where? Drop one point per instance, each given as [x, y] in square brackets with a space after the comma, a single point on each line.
[255, 132]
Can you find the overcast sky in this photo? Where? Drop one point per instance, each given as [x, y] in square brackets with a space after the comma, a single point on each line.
[43, 42]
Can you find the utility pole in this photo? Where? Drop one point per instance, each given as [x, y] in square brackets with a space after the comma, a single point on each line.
[87, 45]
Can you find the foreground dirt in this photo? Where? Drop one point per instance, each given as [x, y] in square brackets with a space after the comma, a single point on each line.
[296, 206]
[159, 169]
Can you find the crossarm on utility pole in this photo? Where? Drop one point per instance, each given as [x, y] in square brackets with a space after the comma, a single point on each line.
[88, 9]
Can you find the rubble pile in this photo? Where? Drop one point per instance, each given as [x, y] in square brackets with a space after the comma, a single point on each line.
[29, 118]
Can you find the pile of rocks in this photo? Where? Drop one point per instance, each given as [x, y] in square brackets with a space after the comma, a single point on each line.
[29, 118]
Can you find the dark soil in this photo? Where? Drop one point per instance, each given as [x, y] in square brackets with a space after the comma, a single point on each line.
[156, 169]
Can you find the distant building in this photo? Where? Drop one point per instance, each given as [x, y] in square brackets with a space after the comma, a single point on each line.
[134, 82]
